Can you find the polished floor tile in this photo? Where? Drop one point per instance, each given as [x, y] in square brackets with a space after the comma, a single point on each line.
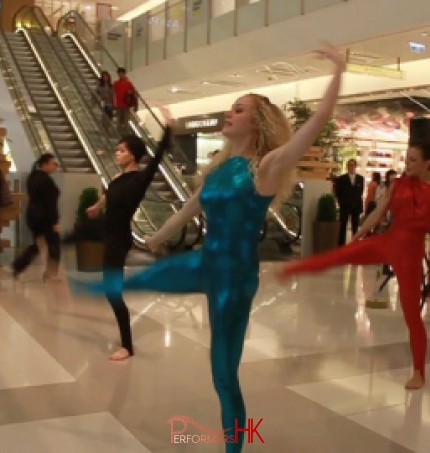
[407, 424]
[361, 393]
[92, 433]
[318, 368]
[23, 361]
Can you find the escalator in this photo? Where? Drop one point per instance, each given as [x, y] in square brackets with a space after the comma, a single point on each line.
[76, 93]
[61, 135]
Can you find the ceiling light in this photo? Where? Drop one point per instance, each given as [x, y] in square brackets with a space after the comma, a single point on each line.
[424, 34]
[174, 89]
[417, 47]
[236, 76]
[205, 82]
[115, 8]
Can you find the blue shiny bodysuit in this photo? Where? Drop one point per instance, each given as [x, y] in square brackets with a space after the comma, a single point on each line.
[226, 270]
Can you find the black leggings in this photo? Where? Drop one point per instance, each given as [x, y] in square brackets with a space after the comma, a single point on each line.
[113, 276]
[29, 254]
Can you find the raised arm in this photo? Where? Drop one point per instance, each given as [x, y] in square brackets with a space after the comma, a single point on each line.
[191, 208]
[147, 175]
[275, 164]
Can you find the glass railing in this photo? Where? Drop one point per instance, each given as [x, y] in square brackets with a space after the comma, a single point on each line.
[185, 25]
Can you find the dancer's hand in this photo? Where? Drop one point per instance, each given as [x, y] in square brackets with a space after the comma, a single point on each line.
[167, 115]
[93, 211]
[56, 228]
[333, 54]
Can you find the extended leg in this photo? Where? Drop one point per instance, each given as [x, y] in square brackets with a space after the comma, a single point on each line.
[229, 314]
[409, 278]
[372, 250]
[174, 274]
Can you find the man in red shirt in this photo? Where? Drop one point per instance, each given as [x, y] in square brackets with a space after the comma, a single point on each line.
[125, 98]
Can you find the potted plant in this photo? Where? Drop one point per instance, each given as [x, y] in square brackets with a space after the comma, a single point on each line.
[299, 112]
[87, 234]
[326, 226]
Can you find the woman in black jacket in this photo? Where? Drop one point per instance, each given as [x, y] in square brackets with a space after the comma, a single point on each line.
[42, 217]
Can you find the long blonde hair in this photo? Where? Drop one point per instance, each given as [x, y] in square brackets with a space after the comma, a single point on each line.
[272, 130]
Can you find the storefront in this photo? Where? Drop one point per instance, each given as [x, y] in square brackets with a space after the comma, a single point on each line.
[198, 137]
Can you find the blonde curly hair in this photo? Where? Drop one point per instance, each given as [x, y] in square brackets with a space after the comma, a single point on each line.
[272, 130]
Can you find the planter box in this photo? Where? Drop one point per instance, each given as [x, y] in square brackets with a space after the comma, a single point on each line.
[89, 256]
[325, 236]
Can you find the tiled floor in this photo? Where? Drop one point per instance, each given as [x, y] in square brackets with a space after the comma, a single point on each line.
[323, 372]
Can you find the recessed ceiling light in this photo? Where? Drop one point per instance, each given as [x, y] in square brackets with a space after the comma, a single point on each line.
[205, 82]
[174, 89]
[115, 8]
[236, 76]
[424, 34]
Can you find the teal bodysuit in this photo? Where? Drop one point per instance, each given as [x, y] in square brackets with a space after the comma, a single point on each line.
[226, 270]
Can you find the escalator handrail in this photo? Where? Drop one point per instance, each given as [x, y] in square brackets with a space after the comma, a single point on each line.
[166, 167]
[74, 122]
[39, 16]
[177, 183]
[78, 16]
[36, 16]
[19, 97]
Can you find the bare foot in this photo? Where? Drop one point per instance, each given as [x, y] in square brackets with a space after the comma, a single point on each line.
[120, 355]
[415, 382]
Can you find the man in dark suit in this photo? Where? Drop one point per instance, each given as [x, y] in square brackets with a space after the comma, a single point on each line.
[348, 189]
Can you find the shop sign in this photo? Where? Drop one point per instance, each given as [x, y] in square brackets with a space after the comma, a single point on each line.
[379, 71]
[201, 123]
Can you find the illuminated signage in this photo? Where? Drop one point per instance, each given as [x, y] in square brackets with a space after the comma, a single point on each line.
[197, 124]
[380, 71]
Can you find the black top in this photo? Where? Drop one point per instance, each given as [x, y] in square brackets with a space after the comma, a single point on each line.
[43, 197]
[125, 193]
[349, 196]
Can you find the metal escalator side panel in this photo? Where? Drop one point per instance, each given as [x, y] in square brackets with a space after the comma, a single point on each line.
[167, 168]
[49, 77]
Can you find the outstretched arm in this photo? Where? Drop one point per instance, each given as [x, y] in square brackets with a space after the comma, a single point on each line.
[147, 175]
[191, 208]
[275, 164]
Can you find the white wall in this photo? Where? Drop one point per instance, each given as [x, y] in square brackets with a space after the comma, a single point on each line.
[20, 146]
[344, 23]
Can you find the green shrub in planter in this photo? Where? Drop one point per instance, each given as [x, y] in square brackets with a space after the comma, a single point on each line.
[326, 208]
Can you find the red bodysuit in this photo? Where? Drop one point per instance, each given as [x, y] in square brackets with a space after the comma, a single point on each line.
[402, 247]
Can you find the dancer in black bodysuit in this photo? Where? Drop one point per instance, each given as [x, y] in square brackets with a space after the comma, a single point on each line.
[42, 217]
[121, 200]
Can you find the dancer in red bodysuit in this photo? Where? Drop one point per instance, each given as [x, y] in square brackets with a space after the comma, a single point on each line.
[402, 246]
